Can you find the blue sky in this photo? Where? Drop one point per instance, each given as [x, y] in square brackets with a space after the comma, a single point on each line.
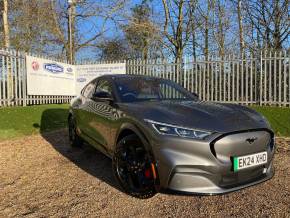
[112, 30]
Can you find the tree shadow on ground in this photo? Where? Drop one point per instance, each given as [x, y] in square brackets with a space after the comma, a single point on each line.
[86, 157]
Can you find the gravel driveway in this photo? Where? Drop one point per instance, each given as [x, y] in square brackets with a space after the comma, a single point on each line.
[43, 176]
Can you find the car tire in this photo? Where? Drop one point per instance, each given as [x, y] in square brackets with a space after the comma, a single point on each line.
[74, 139]
[127, 145]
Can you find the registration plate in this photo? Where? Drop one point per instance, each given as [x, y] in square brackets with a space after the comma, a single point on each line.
[249, 160]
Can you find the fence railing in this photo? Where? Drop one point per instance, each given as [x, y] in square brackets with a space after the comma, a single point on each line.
[263, 80]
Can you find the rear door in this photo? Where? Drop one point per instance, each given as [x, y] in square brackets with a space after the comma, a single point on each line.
[84, 109]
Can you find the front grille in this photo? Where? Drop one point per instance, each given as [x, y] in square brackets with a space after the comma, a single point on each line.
[235, 144]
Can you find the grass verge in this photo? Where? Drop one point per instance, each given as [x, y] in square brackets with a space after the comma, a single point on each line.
[279, 119]
[20, 121]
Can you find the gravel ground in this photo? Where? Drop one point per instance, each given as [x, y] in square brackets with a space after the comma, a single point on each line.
[42, 176]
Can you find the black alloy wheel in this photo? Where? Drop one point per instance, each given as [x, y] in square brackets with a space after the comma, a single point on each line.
[134, 168]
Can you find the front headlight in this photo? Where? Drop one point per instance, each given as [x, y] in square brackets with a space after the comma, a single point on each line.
[168, 129]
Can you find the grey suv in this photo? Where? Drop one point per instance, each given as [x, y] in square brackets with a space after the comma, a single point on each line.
[159, 135]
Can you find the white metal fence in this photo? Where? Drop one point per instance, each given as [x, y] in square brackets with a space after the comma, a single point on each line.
[263, 79]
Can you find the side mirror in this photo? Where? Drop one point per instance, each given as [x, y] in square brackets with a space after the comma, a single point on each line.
[101, 95]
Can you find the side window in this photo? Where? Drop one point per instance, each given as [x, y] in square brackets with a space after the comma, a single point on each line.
[104, 86]
[88, 90]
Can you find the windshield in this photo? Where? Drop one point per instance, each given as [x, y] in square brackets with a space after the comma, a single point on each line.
[133, 89]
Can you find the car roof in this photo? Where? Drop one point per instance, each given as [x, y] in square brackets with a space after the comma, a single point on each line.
[128, 76]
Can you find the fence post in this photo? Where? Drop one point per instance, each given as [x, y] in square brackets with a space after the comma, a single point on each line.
[284, 79]
[261, 77]
[24, 74]
[184, 73]
[233, 77]
[280, 79]
[2, 97]
[251, 79]
[9, 76]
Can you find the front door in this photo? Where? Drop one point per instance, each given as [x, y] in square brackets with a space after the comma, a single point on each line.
[103, 116]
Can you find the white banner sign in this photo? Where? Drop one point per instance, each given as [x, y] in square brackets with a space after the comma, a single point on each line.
[46, 77]
[86, 73]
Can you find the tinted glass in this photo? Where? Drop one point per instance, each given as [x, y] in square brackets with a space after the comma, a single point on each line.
[104, 86]
[142, 89]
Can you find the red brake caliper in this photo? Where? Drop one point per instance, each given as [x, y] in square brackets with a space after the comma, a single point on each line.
[150, 172]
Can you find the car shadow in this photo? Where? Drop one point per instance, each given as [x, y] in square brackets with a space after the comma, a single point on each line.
[85, 157]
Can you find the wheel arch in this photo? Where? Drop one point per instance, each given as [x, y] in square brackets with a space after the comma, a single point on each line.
[128, 129]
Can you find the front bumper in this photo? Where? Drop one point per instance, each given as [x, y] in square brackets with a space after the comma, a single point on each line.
[200, 183]
[199, 167]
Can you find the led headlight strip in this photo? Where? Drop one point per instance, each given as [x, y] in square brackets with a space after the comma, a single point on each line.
[168, 129]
